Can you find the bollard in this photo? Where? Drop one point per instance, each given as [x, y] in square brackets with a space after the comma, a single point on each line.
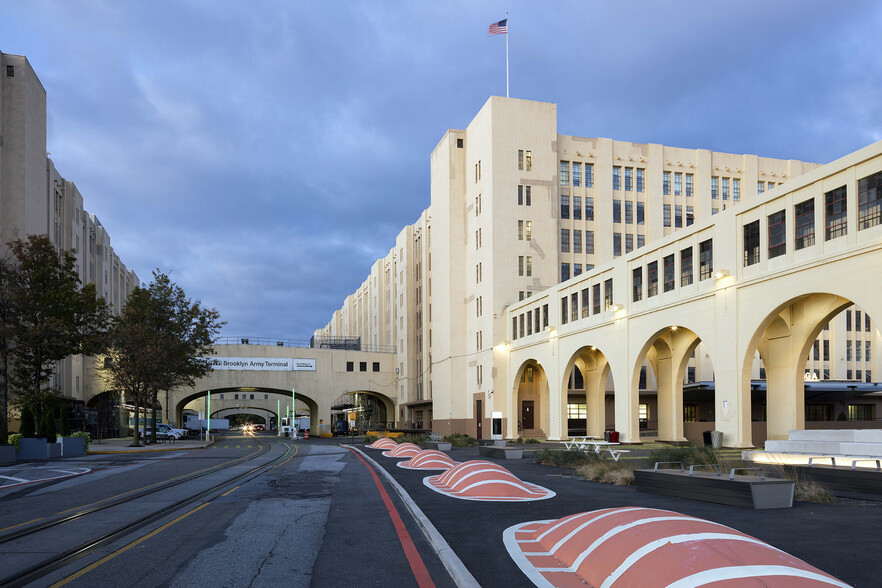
[306, 434]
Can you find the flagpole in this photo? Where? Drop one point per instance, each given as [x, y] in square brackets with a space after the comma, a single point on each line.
[506, 53]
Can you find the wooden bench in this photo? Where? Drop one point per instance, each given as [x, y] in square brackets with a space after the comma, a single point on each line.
[862, 476]
[733, 489]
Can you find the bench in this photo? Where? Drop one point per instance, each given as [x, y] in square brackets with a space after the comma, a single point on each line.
[436, 441]
[712, 486]
[864, 475]
[500, 452]
[617, 453]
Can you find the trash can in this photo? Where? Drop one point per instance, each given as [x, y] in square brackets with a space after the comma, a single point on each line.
[717, 439]
[613, 436]
[606, 436]
[707, 438]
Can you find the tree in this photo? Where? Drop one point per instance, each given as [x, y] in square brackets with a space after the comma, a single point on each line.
[9, 283]
[27, 423]
[158, 342]
[52, 316]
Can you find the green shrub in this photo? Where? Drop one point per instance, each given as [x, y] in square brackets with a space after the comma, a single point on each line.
[83, 435]
[607, 472]
[518, 440]
[14, 438]
[565, 458]
[805, 490]
[369, 438]
[532, 440]
[460, 440]
[687, 454]
[27, 423]
[415, 439]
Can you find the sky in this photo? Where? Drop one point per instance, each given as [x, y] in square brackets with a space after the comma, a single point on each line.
[266, 153]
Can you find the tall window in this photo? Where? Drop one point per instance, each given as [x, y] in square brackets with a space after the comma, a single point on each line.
[529, 266]
[607, 294]
[836, 208]
[577, 269]
[564, 173]
[544, 315]
[678, 183]
[637, 284]
[686, 267]
[527, 191]
[777, 235]
[564, 206]
[690, 215]
[870, 201]
[666, 211]
[589, 175]
[640, 213]
[629, 212]
[564, 240]
[595, 296]
[760, 187]
[652, 279]
[577, 208]
[586, 303]
[678, 216]
[574, 306]
[705, 259]
[804, 228]
[641, 241]
[617, 244]
[629, 179]
[751, 243]
[617, 211]
[577, 174]
[528, 157]
[629, 242]
[529, 231]
[715, 187]
[689, 185]
[520, 159]
[589, 208]
[520, 265]
[577, 241]
[564, 314]
[669, 272]
[617, 177]
[564, 272]
[736, 189]
[725, 188]
[666, 182]
[520, 230]
[640, 181]
[589, 242]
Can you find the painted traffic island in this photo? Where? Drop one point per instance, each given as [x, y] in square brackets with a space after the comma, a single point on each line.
[428, 459]
[625, 546]
[484, 481]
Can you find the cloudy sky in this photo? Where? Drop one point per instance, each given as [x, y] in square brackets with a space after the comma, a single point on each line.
[265, 153]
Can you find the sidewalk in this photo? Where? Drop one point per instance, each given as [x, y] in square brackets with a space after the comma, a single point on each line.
[123, 445]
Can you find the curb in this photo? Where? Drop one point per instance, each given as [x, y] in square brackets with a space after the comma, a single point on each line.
[454, 566]
[150, 450]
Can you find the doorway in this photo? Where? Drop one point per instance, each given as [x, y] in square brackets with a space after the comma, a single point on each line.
[527, 412]
[479, 418]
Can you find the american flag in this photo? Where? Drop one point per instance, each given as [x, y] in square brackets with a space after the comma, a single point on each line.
[498, 28]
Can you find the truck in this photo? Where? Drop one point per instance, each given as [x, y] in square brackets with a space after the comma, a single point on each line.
[194, 423]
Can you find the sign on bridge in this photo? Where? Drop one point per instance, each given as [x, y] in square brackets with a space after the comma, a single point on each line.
[277, 364]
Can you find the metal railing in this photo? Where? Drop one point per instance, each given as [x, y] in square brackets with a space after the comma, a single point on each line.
[305, 344]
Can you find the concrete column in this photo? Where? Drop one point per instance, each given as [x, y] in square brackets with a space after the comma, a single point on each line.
[595, 393]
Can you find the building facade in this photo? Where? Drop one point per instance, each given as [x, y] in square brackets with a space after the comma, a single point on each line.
[517, 208]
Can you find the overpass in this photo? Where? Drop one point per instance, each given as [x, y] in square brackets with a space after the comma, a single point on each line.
[764, 278]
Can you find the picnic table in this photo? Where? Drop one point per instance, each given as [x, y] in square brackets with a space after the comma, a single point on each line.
[598, 444]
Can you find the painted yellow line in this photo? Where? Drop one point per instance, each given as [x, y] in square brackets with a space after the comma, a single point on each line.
[107, 558]
[20, 524]
[229, 491]
[296, 449]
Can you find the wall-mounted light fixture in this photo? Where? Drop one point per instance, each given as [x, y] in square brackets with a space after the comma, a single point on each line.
[617, 307]
[724, 273]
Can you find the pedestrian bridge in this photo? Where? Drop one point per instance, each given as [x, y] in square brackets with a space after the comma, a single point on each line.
[765, 276]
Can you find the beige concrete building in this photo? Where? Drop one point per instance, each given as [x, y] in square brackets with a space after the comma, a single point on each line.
[36, 199]
[516, 208]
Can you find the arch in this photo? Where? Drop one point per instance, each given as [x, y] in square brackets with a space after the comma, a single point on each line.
[303, 401]
[270, 417]
[371, 408]
[530, 402]
[595, 370]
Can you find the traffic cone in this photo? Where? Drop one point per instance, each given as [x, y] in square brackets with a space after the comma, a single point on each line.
[306, 434]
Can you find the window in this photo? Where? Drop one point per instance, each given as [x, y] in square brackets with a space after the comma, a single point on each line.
[574, 306]
[577, 174]
[595, 293]
[666, 211]
[520, 159]
[564, 240]
[350, 366]
[652, 279]
[528, 155]
[617, 211]
[10, 71]
[641, 241]
[816, 350]
[858, 356]
[777, 235]
[589, 175]
[826, 350]
[520, 331]
[529, 266]
[564, 272]
[736, 189]
[577, 411]
[617, 177]
[520, 230]
[690, 215]
[520, 195]
[861, 412]
[564, 315]
[689, 185]
[751, 243]
[866, 322]
[629, 212]
[690, 413]
[666, 183]
[640, 181]
[544, 315]
[589, 242]
[643, 415]
[362, 366]
[577, 241]
[686, 267]
[637, 283]
[617, 244]
[376, 366]
[586, 303]
[714, 211]
[640, 213]
[629, 179]
[836, 208]
[589, 208]
[669, 273]
[760, 186]
[527, 192]
[725, 188]
[577, 269]
[848, 321]
[520, 265]
[577, 208]
[536, 320]
[564, 206]
[848, 350]
[870, 201]
[607, 294]
[529, 230]
[705, 259]
[715, 187]
[514, 327]
[678, 184]
[678, 216]
[564, 173]
[629, 243]
[459, 143]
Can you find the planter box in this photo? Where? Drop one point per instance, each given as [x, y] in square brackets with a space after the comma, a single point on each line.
[53, 450]
[7, 454]
[72, 446]
[32, 449]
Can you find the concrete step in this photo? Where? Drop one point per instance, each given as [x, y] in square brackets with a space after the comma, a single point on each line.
[836, 435]
[822, 447]
[868, 449]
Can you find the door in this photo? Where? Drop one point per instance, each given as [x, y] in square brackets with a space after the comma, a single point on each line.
[479, 418]
[527, 414]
